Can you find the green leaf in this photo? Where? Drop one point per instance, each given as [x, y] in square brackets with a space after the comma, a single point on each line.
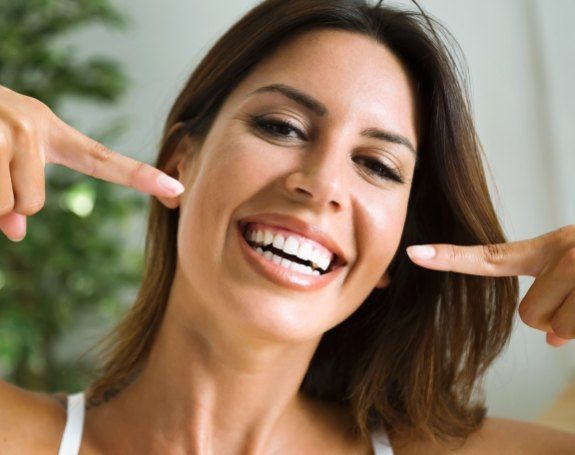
[76, 259]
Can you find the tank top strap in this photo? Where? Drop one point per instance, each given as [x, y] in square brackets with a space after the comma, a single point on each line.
[380, 441]
[72, 436]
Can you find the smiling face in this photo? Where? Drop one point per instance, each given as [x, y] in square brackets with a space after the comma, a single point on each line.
[317, 179]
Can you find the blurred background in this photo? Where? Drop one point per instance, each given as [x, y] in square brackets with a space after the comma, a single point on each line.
[112, 69]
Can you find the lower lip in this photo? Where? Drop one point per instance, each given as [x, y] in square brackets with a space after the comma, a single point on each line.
[282, 276]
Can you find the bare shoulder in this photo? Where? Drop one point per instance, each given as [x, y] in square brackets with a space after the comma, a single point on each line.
[519, 437]
[30, 422]
[498, 435]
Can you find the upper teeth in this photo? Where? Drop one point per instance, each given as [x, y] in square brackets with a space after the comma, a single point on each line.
[291, 245]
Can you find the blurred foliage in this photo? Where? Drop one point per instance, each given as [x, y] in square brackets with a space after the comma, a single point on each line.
[74, 259]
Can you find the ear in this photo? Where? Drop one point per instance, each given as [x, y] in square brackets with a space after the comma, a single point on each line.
[176, 165]
[383, 281]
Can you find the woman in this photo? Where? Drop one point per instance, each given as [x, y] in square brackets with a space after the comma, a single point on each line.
[279, 311]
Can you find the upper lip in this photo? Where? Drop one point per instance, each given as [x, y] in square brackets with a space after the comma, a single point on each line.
[311, 231]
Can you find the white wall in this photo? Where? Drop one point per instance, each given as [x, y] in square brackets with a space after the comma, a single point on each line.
[520, 55]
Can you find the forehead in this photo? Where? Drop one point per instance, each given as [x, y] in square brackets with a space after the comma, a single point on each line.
[353, 75]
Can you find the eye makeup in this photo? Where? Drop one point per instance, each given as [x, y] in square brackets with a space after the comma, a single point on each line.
[281, 129]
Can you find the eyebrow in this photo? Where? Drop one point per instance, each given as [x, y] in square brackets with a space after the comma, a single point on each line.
[320, 110]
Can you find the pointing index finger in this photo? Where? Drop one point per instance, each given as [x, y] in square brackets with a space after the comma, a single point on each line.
[523, 257]
[77, 151]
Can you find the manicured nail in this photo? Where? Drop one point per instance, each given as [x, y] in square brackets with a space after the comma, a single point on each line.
[170, 184]
[421, 252]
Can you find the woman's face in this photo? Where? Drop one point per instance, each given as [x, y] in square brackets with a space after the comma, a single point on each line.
[317, 180]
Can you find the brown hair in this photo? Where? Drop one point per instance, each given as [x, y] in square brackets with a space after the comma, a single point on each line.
[411, 357]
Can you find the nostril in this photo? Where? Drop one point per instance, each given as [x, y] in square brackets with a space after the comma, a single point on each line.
[304, 191]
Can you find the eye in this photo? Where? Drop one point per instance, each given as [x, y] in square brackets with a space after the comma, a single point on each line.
[283, 128]
[275, 127]
[379, 169]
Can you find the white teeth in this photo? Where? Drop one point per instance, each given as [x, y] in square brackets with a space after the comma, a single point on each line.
[315, 256]
[291, 246]
[279, 241]
[324, 262]
[268, 238]
[304, 251]
[320, 260]
[260, 237]
[286, 263]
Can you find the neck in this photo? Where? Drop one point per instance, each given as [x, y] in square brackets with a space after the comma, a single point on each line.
[207, 389]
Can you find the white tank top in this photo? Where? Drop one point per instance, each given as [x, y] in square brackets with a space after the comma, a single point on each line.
[72, 437]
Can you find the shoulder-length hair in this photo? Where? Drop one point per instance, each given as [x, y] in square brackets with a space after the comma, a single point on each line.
[412, 356]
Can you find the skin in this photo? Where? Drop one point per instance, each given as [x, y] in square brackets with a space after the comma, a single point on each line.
[549, 304]
[224, 371]
[248, 341]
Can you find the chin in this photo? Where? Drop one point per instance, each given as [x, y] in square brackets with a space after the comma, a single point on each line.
[277, 318]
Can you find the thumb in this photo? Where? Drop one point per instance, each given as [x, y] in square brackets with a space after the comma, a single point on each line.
[14, 226]
[554, 340]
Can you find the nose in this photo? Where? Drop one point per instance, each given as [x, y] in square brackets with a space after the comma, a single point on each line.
[318, 180]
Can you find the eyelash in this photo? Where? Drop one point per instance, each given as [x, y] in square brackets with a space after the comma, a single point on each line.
[374, 166]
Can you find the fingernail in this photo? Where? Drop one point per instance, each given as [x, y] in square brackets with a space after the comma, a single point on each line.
[170, 184]
[17, 239]
[421, 252]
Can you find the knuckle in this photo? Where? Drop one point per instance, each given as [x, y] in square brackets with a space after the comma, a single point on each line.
[4, 139]
[569, 256]
[566, 235]
[494, 254]
[566, 263]
[453, 253]
[100, 154]
[39, 106]
[23, 128]
[135, 173]
[30, 207]
[6, 206]
[36, 108]
[561, 330]
[528, 316]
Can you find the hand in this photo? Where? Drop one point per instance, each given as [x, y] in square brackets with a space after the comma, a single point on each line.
[549, 304]
[31, 135]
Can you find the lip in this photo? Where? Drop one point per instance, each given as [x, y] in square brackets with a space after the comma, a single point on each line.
[297, 226]
[282, 276]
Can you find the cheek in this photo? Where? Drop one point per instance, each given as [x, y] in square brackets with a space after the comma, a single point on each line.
[228, 175]
[384, 223]
[231, 171]
[246, 164]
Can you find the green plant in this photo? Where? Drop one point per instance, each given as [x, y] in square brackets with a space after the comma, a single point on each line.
[74, 260]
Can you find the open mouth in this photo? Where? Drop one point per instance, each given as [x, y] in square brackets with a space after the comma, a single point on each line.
[290, 251]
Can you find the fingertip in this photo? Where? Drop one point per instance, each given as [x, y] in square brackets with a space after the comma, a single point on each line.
[19, 233]
[18, 239]
[172, 186]
[14, 226]
[554, 340]
[420, 252]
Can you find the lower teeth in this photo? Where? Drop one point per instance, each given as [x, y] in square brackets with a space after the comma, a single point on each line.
[286, 263]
